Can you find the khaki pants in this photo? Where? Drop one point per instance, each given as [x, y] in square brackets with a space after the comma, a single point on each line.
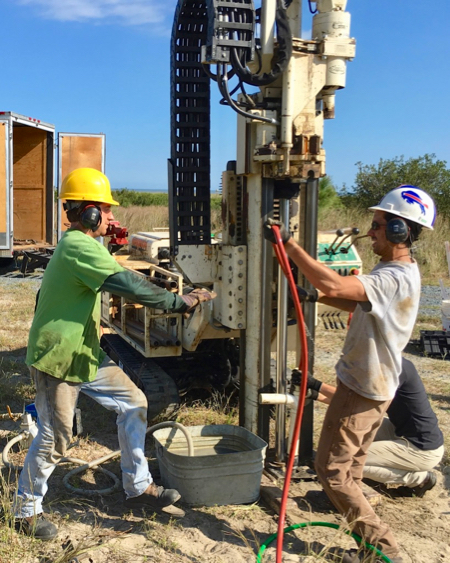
[391, 459]
[349, 428]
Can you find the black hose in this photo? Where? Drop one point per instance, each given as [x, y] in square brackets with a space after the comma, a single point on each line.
[284, 38]
[207, 69]
[310, 8]
[223, 87]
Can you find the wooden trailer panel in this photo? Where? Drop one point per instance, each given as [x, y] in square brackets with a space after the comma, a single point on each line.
[78, 151]
[30, 169]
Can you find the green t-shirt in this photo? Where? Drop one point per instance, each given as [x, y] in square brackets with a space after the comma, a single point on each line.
[64, 339]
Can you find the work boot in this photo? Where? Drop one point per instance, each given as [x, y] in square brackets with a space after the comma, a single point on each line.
[365, 556]
[36, 526]
[428, 484]
[154, 497]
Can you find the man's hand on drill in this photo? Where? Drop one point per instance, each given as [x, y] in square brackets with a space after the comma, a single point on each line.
[197, 296]
[270, 235]
[309, 295]
[313, 385]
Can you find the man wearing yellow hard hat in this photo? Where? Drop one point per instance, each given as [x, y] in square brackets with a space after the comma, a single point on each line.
[65, 357]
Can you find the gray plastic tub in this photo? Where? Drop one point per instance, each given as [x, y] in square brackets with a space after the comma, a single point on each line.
[226, 467]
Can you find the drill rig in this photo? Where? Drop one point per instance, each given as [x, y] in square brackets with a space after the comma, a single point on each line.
[282, 88]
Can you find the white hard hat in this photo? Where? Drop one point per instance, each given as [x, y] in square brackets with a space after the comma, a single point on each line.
[411, 203]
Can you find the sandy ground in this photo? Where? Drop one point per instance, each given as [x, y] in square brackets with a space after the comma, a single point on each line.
[99, 529]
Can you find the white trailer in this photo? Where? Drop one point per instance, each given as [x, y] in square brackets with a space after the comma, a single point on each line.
[33, 161]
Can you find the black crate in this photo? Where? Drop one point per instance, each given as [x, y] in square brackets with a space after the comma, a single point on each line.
[436, 343]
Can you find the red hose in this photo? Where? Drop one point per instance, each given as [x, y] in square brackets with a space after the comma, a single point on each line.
[284, 263]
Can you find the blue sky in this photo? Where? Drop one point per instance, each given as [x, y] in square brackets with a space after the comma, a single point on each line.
[91, 66]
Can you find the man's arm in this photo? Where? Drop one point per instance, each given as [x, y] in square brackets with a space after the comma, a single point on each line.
[132, 286]
[326, 393]
[326, 280]
[342, 304]
[316, 389]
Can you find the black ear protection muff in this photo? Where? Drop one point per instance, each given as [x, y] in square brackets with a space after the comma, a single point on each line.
[90, 217]
[397, 231]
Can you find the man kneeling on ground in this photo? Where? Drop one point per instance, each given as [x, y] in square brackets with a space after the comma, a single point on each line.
[409, 442]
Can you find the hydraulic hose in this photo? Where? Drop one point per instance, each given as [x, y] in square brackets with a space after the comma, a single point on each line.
[284, 37]
[90, 465]
[9, 445]
[284, 263]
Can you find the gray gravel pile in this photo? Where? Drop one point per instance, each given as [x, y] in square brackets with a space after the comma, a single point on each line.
[15, 277]
[430, 301]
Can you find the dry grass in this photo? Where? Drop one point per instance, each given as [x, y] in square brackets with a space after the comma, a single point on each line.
[19, 301]
[218, 409]
[17, 305]
[137, 218]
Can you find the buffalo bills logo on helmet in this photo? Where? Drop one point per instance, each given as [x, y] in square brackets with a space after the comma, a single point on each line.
[412, 198]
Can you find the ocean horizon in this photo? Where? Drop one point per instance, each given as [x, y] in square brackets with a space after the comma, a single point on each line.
[152, 190]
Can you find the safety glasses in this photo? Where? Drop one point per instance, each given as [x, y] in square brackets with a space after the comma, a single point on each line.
[375, 225]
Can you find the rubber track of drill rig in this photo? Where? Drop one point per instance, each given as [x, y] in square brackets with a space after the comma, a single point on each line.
[158, 386]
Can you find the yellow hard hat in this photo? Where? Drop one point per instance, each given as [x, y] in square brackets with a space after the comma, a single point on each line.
[87, 184]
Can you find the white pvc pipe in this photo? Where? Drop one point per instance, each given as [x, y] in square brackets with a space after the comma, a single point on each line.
[278, 399]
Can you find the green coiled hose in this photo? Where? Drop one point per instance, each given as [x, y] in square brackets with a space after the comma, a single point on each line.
[358, 539]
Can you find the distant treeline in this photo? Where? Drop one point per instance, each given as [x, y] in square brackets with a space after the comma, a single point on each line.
[127, 198]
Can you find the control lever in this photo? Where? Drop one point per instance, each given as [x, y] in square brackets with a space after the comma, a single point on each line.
[339, 233]
[334, 322]
[345, 250]
[340, 320]
[354, 231]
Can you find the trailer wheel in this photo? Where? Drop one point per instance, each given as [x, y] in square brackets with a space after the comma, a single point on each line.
[7, 265]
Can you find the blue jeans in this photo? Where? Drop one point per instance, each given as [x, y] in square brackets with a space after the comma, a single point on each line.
[55, 404]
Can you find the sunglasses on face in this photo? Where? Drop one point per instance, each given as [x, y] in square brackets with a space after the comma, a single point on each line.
[375, 225]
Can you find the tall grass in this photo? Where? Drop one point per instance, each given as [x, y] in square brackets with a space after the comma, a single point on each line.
[138, 218]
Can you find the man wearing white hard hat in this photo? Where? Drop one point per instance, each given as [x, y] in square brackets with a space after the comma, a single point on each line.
[384, 304]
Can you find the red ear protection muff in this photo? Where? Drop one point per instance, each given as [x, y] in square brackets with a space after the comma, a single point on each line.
[397, 231]
[90, 217]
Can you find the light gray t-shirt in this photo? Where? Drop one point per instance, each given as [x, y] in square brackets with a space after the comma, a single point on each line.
[380, 329]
